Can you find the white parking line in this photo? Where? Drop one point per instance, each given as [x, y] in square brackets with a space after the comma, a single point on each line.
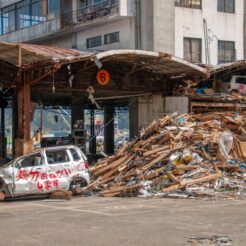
[119, 208]
[6, 206]
[72, 209]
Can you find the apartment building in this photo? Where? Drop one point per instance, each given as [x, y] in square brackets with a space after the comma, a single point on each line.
[200, 31]
[78, 24]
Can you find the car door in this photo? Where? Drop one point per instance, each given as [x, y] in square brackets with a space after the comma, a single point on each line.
[58, 168]
[29, 174]
[77, 164]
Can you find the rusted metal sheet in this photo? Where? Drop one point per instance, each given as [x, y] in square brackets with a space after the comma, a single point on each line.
[35, 54]
[227, 68]
[157, 62]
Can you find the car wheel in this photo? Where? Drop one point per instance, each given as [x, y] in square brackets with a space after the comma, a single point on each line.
[234, 91]
[76, 186]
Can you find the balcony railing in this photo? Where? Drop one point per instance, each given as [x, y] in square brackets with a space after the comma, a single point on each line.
[90, 12]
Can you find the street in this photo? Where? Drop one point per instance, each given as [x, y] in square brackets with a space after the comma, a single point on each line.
[116, 221]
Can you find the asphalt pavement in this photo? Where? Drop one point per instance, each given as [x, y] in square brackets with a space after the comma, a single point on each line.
[120, 221]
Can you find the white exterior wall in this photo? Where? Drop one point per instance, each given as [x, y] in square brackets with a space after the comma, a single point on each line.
[125, 27]
[226, 26]
[127, 7]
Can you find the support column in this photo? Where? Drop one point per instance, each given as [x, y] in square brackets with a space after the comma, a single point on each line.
[3, 142]
[133, 120]
[14, 123]
[77, 111]
[109, 129]
[27, 108]
[23, 143]
[93, 139]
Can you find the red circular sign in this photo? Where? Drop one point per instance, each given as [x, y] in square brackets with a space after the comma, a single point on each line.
[103, 77]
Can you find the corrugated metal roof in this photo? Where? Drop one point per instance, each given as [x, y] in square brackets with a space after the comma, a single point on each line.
[156, 62]
[159, 62]
[32, 54]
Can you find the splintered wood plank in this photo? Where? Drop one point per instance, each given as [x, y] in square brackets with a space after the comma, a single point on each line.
[243, 149]
[148, 153]
[111, 166]
[173, 178]
[115, 191]
[119, 167]
[193, 182]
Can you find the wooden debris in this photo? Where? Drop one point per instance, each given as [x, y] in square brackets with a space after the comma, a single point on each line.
[176, 152]
[2, 196]
[61, 194]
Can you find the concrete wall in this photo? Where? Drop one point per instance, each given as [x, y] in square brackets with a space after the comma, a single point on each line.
[223, 26]
[33, 32]
[244, 27]
[177, 104]
[144, 111]
[126, 27]
[164, 25]
[127, 7]
[146, 25]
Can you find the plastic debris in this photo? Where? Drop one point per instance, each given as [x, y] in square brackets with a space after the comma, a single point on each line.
[188, 156]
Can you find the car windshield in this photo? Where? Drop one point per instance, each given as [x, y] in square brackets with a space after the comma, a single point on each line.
[241, 80]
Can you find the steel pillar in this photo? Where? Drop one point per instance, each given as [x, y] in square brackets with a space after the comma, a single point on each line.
[109, 129]
[77, 111]
[133, 120]
[93, 139]
[3, 142]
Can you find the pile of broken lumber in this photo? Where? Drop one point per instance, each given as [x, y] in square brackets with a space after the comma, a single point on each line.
[187, 154]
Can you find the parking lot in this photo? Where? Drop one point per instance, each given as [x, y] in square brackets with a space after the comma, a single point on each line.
[116, 221]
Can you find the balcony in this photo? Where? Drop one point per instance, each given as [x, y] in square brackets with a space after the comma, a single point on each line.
[65, 22]
[90, 13]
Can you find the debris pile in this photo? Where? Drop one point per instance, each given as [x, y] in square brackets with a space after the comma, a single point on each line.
[179, 156]
[212, 240]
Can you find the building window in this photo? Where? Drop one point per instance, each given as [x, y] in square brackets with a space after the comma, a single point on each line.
[53, 8]
[227, 6]
[226, 51]
[8, 19]
[193, 50]
[196, 4]
[84, 3]
[23, 14]
[94, 42]
[26, 13]
[112, 38]
[37, 12]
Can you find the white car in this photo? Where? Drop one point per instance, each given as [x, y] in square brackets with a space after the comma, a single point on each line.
[236, 84]
[44, 171]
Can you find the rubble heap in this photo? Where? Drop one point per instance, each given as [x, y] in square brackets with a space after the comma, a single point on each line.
[187, 155]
